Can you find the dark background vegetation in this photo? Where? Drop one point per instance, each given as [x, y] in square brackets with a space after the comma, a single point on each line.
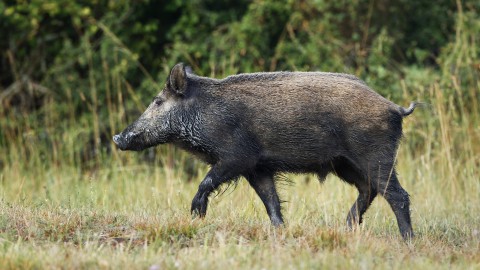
[72, 73]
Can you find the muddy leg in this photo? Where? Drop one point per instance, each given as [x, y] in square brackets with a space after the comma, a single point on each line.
[364, 200]
[214, 178]
[264, 185]
[399, 201]
[346, 170]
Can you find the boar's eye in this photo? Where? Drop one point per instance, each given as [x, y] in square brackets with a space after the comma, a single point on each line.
[158, 101]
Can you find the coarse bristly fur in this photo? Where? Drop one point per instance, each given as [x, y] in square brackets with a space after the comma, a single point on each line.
[262, 124]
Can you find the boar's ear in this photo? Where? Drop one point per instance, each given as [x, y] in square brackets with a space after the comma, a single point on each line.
[178, 79]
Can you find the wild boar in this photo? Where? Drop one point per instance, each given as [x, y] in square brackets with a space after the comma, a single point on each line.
[262, 124]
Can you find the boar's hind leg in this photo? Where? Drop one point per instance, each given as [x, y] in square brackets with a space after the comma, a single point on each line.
[215, 177]
[264, 185]
[364, 200]
[399, 201]
[367, 193]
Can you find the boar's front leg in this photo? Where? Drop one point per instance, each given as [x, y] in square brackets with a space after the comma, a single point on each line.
[215, 177]
[262, 182]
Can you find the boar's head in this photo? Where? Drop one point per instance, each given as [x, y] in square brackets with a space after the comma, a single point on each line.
[161, 121]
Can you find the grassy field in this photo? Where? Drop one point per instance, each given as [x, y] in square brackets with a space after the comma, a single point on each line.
[131, 214]
[138, 218]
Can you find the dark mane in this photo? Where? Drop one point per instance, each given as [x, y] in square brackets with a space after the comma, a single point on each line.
[272, 76]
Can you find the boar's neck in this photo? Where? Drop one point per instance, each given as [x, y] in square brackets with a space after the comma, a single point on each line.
[190, 136]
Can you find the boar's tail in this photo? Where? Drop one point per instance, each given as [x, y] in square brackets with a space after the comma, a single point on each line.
[409, 110]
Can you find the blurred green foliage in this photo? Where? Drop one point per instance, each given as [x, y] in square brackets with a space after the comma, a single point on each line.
[88, 67]
[350, 36]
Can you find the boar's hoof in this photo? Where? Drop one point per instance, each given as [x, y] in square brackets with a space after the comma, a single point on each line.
[199, 205]
[408, 235]
[276, 222]
[352, 222]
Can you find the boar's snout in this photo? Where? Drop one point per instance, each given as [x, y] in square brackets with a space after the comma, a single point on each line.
[123, 141]
[117, 139]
